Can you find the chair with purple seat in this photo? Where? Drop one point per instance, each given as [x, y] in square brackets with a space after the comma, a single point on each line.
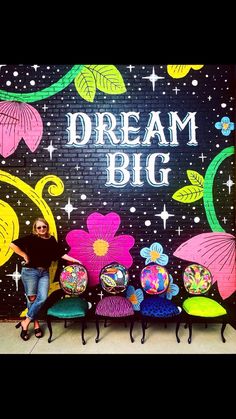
[114, 279]
[155, 281]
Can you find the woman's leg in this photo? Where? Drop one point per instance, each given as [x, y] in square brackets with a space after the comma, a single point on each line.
[41, 294]
[29, 278]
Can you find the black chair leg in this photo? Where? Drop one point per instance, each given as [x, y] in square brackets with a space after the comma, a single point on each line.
[49, 328]
[131, 329]
[105, 323]
[190, 332]
[144, 325]
[65, 323]
[98, 331]
[82, 331]
[176, 331]
[222, 332]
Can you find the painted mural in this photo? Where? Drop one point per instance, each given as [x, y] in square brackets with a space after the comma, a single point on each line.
[128, 163]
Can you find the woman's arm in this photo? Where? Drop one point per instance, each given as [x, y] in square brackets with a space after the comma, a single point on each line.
[19, 252]
[70, 259]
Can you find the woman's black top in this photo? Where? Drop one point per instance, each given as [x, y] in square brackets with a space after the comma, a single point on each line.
[41, 252]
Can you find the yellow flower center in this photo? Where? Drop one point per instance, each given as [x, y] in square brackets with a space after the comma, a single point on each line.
[100, 247]
[133, 299]
[154, 255]
[225, 125]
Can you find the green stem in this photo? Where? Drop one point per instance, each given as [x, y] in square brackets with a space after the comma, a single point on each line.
[44, 93]
[208, 188]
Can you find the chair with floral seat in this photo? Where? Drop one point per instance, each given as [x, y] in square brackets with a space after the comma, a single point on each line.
[73, 281]
[156, 306]
[114, 279]
[198, 308]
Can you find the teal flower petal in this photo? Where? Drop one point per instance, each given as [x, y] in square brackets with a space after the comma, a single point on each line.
[163, 260]
[218, 125]
[130, 290]
[226, 132]
[147, 261]
[145, 252]
[174, 289]
[157, 247]
[225, 120]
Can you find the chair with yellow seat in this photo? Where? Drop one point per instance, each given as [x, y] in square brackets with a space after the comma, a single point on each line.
[199, 308]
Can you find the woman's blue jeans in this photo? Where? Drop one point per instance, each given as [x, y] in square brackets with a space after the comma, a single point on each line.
[36, 283]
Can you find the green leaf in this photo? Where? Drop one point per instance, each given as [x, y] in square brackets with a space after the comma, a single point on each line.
[188, 194]
[195, 178]
[108, 79]
[85, 84]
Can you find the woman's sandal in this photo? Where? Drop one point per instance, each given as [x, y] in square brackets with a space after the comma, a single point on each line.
[24, 333]
[38, 332]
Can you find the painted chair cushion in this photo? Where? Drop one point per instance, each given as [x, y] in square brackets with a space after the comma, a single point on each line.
[114, 278]
[69, 308]
[114, 306]
[74, 279]
[203, 307]
[197, 279]
[154, 279]
[158, 307]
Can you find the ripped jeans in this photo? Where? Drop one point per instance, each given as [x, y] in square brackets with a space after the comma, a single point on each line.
[36, 283]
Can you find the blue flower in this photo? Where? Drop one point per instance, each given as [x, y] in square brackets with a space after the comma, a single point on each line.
[172, 289]
[154, 254]
[135, 296]
[225, 125]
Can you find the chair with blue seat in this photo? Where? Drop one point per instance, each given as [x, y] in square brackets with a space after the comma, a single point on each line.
[199, 308]
[156, 306]
[114, 280]
[73, 282]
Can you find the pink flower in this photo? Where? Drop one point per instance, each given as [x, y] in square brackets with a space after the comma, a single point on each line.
[19, 120]
[215, 251]
[100, 246]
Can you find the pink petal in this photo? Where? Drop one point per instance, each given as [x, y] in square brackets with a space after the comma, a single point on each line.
[215, 251]
[19, 120]
[81, 244]
[122, 245]
[104, 226]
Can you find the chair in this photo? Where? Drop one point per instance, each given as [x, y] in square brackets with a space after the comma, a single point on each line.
[114, 279]
[156, 307]
[199, 309]
[73, 281]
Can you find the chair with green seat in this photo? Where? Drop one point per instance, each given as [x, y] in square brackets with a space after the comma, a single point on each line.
[73, 281]
[199, 309]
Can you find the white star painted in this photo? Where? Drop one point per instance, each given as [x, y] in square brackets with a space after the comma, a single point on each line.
[153, 78]
[69, 208]
[50, 149]
[164, 216]
[16, 276]
[229, 183]
[35, 66]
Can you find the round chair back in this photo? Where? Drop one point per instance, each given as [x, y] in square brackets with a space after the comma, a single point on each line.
[197, 279]
[154, 279]
[114, 278]
[74, 279]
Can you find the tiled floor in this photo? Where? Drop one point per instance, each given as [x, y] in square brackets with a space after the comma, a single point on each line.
[115, 339]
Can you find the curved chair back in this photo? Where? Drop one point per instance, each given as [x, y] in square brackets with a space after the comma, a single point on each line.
[197, 279]
[114, 278]
[74, 279]
[154, 279]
